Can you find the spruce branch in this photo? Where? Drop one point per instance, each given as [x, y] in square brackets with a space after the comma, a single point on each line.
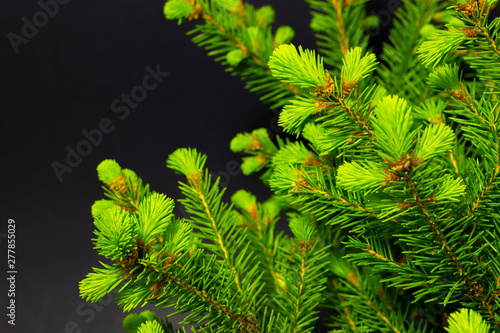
[325, 99]
[155, 261]
[480, 122]
[260, 221]
[435, 139]
[304, 273]
[392, 204]
[311, 193]
[481, 37]
[155, 214]
[339, 26]
[355, 176]
[212, 218]
[101, 282]
[246, 322]
[475, 288]
[122, 186]
[439, 46]
[356, 295]
[259, 145]
[116, 234]
[447, 78]
[299, 68]
[393, 128]
[400, 71]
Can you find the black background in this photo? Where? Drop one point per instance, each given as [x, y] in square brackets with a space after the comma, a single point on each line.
[63, 81]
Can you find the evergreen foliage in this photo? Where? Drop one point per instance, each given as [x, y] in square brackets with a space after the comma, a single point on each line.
[391, 189]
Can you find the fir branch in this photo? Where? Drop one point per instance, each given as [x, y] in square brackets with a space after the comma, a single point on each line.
[343, 304]
[480, 123]
[364, 301]
[116, 234]
[413, 178]
[339, 26]
[101, 282]
[492, 42]
[401, 72]
[446, 78]
[382, 316]
[295, 321]
[204, 11]
[393, 124]
[260, 220]
[355, 176]
[346, 120]
[220, 239]
[484, 40]
[295, 181]
[311, 193]
[359, 119]
[203, 200]
[324, 95]
[375, 249]
[298, 67]
[305, 275]
[484, 192]
[122, 185]
[436, 49]
[120, 188]
[343, 37]
[476, 289]
[244, 320]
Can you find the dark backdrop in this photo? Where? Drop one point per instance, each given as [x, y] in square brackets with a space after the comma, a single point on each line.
[60, 81]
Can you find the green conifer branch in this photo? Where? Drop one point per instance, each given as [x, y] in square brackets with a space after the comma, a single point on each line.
[152, 256]
[400, 71]
[323, 95]
[398, 178]
[483, 36]
[305, 278]
[245, 321]
[359, 300]
[478, 127]
[420, 156]
[122, 186]
[339, 26]
[382, 313]
[214, 220]
[259, 221]
[259, 146]
[480, 124]
[475, 288]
